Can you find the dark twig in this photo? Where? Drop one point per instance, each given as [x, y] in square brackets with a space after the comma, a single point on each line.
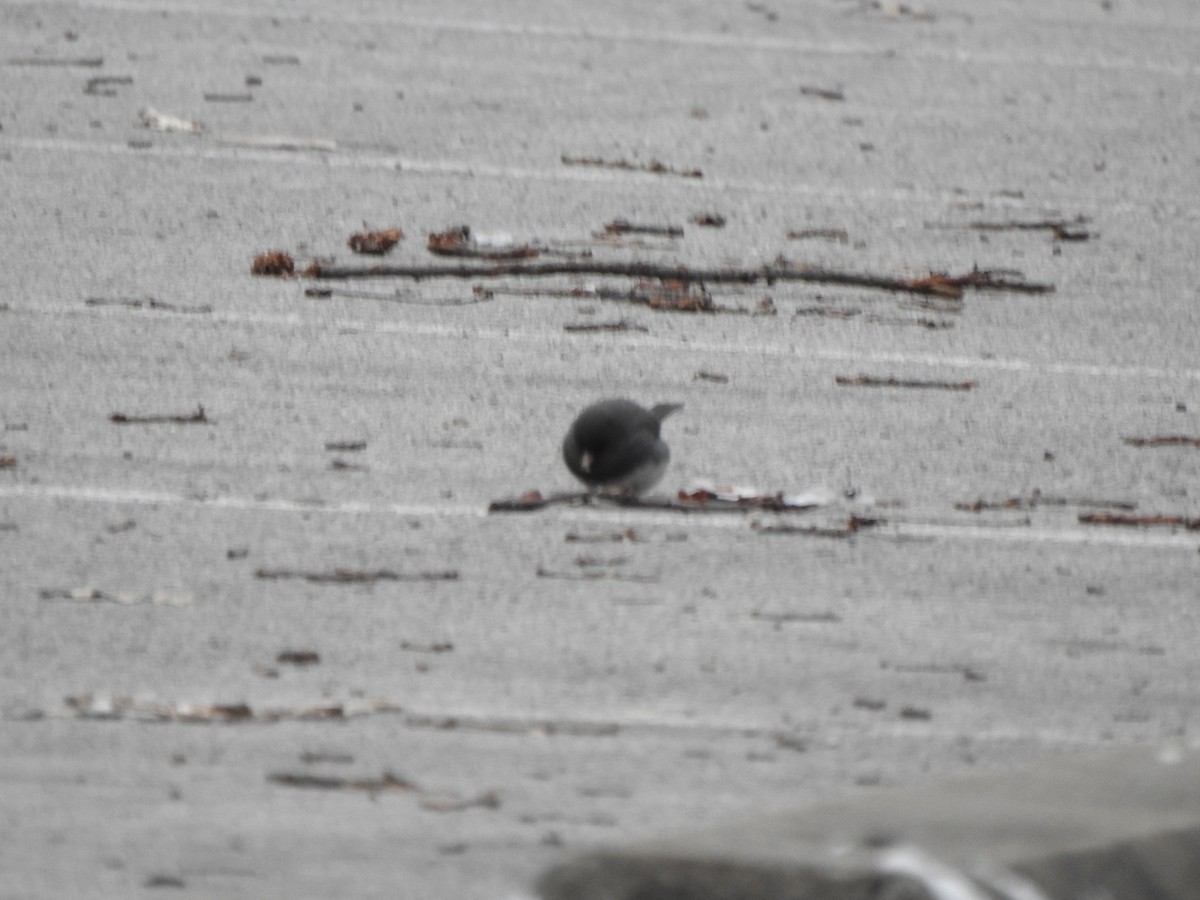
[1166, 440]
[936, 283]
[386, 782]
[624, 226]
[1037, 498]
[870, 381]
[700, 501]
[198, 417]
[354, 576]
[1188, 524]
[1061, 229]
[85, 62]
[654, 167]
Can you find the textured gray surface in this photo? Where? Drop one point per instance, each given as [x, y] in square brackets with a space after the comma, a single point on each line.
[714, 668]
[1121, 824]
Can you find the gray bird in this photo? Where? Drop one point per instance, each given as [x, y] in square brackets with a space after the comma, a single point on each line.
[614, 446]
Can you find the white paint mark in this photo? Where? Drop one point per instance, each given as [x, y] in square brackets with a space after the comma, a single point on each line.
[944, 882]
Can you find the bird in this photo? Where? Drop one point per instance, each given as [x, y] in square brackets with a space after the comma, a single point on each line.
[614, 446]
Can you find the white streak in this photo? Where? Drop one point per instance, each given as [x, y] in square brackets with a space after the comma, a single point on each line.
[944, 882]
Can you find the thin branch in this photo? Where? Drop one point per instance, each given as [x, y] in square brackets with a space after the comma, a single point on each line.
[936, 283]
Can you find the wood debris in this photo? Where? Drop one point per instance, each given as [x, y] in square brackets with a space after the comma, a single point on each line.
[837, 235]
[872, 381]
[623, 226]
[196, 418]
[1166, 440]
[460, 242]
[354, 576]
[146, 303]
[385, 782]
[849, 528]
[298, 657]
[375, 243]
[654, 167]
[937, 284]
[695, 500]
[675, 294]
[740, 499]
[834, 94]
[1170, 521]
[273, 262]
[1037, 498]
[101, 85]
[82, 62]
[1060, 229]
[619, 325]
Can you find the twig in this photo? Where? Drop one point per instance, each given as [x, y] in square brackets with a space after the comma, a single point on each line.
[870, 381]
[823, 617]
[1167, 440]
[822, 93]
[936, 283]
[99, 86]
[623, 226]
[147, 303]
[654, 167]
[354, 576]
[699, 501]
[1061, 229]
[1037, 498]
[198, 417]
[386, 782]
[853, 525]
[839, 235]
[85, 62]
[1189, 524]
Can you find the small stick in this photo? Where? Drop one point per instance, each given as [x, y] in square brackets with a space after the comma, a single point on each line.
[354, 576]
[1189, 524]
[870, 381]
[198, 417]
[624, 226]
[936, 283]
[654, 167]
[1166, 440]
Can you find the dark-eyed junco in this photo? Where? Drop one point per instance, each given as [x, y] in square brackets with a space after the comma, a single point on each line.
[614, 446]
